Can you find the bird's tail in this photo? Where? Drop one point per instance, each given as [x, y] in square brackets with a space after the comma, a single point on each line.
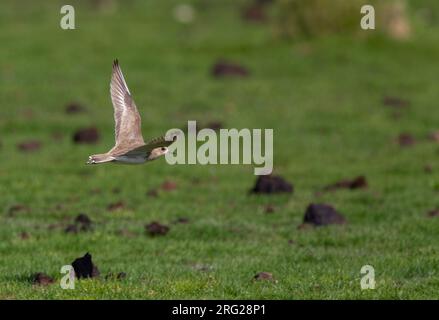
[99, 158]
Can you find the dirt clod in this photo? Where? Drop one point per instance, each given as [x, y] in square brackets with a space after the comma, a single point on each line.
[156, 229]
[119, 205]
[153, 193]
[42, 279]
[406, 140]
[169, 185]
[359, 182]
[433, 213]
[74, 107]
[82, 218]
[182, 220]
[82, 223]
[322, 214]
[71, 228]
[214, 125]
[269, 208]
[86, 135]
[272, 184]
[228, 69]
[264, 276]
[84, 267]
[24, 235]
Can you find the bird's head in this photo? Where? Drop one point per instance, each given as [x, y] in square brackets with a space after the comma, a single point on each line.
[158, 152]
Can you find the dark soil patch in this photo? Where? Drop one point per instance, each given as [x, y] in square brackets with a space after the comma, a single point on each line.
[406, 140]
[71, 228]
[83, 220]
[322, 214]
[84, 267]
[24, 235]
[228, 69]
[182, 220]
[359, 182]
[169, 185]
[433, 213]
[153, 193]
[86, 135]
[156, 229]
[42, 279]
[269, 208]
[214, 125]
[264, 276]
[29, 146]
[272, 184]
[116, 206]
[74, 107]
[82, 223]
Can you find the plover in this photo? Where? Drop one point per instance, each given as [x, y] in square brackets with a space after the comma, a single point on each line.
[129, 147]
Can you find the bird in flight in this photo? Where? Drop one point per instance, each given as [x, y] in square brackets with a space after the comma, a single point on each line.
[129, 147]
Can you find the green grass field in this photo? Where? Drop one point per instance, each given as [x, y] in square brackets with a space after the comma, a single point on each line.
[323, 98]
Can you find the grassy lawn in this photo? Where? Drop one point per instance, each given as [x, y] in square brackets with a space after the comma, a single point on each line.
[323, 98]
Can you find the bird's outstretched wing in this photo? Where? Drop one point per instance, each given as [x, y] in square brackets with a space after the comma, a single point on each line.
[127, 119]
[150, 145]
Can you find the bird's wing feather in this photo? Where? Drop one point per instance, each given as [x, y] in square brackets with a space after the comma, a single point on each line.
[146, 149]
[127, 118]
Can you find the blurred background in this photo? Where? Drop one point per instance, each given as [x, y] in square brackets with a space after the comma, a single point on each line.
[343, 102]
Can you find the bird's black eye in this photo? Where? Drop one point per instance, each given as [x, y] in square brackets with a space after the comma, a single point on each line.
[163, 149]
